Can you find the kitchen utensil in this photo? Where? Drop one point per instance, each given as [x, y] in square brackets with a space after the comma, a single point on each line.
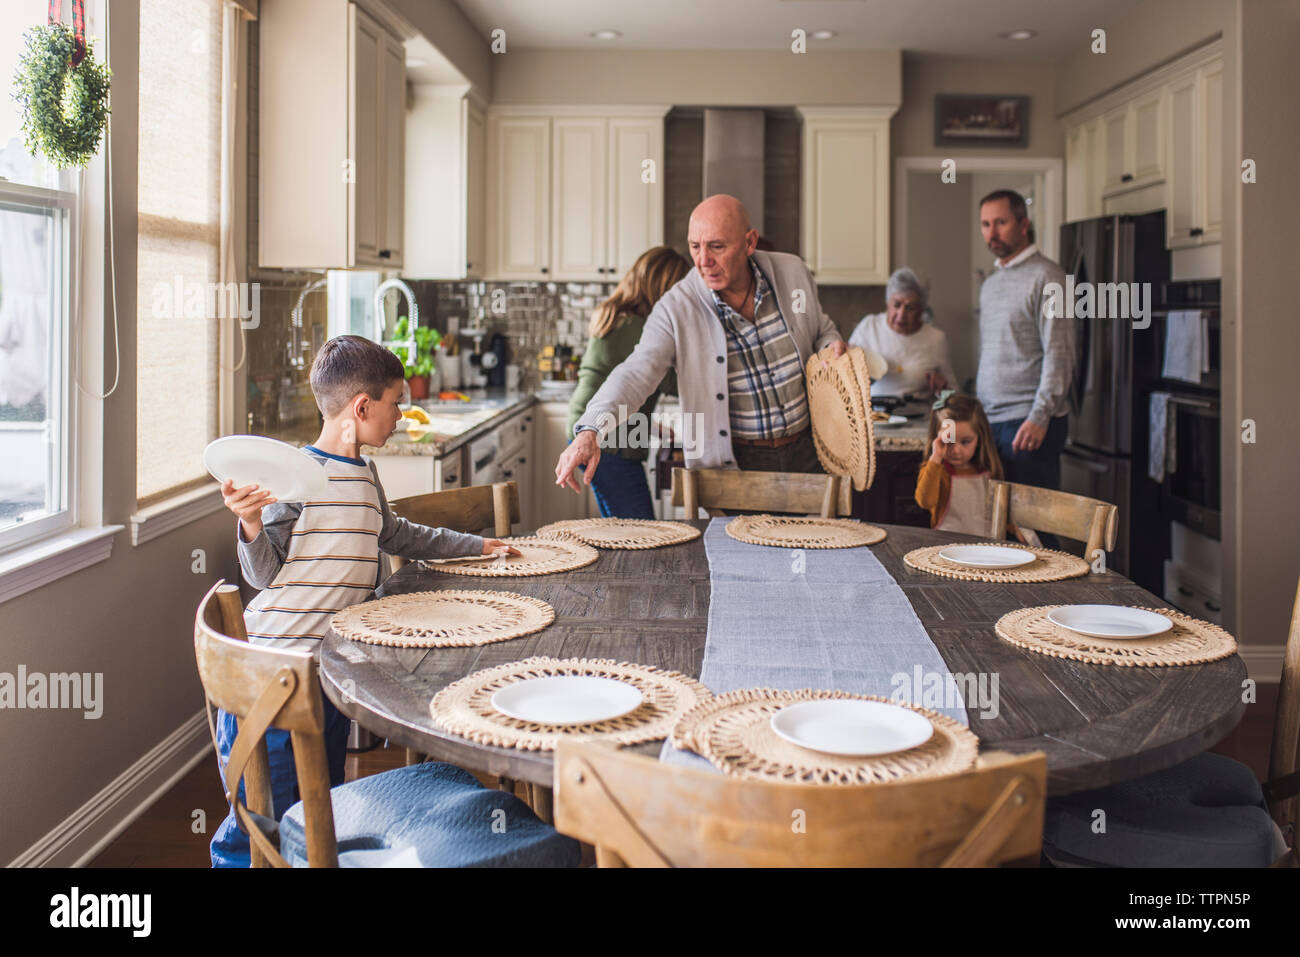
[288, 473]
[1110, 621]
[849, 727]
[987, 556]
[567, 699]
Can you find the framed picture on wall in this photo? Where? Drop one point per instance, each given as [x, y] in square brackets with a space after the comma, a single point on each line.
[984, 119]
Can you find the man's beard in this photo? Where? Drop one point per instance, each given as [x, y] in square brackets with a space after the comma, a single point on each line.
[998, 248]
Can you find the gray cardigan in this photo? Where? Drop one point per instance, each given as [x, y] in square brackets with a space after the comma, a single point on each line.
[683, 332]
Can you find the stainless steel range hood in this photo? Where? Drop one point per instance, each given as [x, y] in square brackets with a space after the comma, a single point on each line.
[733, 158]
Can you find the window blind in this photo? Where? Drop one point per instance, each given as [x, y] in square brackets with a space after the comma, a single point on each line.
[179, 308]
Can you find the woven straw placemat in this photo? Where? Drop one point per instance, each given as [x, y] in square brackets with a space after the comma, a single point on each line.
[540, 556]
[789, 531]
[622, 532]
[443, 619]
[734, 732]
[1190, 642]
[464, 707]
[1051, 565]
[838, 405]
[858, 358]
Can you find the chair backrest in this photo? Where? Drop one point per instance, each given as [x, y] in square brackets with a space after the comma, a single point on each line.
[469, 509]
[639, 812]
[1286, 733]
[1089, 520]
[265, 688]
[785, 493]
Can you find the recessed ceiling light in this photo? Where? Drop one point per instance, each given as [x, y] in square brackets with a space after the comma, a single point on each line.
[415, 61]
[822, 34]
[1019, 34]
[604, 35]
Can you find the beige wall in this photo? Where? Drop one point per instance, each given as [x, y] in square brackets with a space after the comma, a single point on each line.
[1261, 342]
[443, 24]
[912, 130]
[130, 617]
[1148, 35]
[938, 229]
[698, 77]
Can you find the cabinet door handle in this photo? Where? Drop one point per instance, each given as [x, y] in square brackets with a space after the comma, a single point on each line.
[1212, 606]
[544, 270]
[1195, 231]
[1126, 178]
[469, 265]
[385, 254]
[1184, 591]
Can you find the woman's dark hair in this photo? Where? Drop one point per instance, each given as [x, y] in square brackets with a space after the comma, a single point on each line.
[347, 365]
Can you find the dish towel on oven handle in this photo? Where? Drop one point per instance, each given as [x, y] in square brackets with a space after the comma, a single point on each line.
[1187, 346]
[1162, 445]
[826, 619]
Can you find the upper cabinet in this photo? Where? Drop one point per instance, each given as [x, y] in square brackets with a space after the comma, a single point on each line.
[845, 194]
[573, 194]
[331, 150]
[446, 156]
[1156, 143]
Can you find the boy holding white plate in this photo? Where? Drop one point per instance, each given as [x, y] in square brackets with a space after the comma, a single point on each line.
[312, 559]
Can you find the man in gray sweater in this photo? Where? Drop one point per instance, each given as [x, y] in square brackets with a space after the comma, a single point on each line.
[1026, 354]
[739, 330]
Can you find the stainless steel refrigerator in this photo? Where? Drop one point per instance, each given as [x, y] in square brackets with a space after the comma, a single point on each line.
[1102, 455]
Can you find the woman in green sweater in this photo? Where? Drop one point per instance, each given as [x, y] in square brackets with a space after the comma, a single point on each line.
[620, 483]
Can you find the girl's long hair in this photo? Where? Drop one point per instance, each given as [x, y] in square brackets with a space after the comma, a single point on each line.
[964, 408]
[655, 272]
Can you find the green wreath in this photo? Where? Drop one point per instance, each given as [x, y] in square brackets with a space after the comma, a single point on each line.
[65, 108]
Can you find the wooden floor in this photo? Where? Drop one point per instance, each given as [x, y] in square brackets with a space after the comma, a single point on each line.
[167, 835]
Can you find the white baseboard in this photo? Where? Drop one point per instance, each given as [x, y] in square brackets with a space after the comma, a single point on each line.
[90, 828]
[1263, 662]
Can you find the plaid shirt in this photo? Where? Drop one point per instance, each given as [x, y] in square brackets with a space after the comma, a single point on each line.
[765, 379]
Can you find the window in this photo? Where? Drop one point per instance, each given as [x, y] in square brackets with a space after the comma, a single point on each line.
[38, 207]
[180, 300]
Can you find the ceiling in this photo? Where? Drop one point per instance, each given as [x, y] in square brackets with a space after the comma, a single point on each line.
[953, 27]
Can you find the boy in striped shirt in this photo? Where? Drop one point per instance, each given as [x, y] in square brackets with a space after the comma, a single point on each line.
[312, 559]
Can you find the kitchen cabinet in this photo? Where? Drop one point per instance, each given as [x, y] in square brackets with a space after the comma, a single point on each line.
[573, 195]
[1151, 144]
[405, 475]
[551, 503]
[446, 156]
[845, 194]
[331, 128]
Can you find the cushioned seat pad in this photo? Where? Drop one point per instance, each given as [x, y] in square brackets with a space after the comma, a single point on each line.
[431, 815]
[1208, 811]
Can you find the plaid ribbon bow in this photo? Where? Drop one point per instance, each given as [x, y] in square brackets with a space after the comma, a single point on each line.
[78, 26]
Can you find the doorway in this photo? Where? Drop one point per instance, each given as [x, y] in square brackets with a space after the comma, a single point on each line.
[936, 232]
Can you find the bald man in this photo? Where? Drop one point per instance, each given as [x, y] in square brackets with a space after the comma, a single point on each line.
[739, 331]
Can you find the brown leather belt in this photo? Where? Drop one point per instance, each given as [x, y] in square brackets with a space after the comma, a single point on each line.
[771, 443]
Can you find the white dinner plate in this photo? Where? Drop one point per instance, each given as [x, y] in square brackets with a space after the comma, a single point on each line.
[289, 474]
[877, 367]
[567, 699]
[849, 727]
[892, 422]
[1110, 621]
[987, 556]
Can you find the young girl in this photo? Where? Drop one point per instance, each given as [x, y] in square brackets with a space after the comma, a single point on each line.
[954, 480]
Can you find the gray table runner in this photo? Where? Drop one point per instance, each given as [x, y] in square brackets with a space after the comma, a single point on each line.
[828, 619]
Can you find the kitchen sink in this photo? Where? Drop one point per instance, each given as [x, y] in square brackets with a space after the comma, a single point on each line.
[448, 406]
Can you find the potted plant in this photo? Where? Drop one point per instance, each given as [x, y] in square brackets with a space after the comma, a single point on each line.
[419, 370]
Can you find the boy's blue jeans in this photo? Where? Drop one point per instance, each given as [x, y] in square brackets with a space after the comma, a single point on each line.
[229, 843]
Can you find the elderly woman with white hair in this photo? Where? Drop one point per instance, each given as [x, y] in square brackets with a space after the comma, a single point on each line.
[915, 352]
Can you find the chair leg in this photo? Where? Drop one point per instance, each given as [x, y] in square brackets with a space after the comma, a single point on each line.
[414, 757]
[539, 796]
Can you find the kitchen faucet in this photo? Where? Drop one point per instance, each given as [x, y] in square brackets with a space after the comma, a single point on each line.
[296, 343]
[413, 320]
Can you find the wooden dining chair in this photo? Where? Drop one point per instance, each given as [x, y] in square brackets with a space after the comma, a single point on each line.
[1208, 811]
[638, 812]
[1033, 509]
[430, 814]
[784, 493]
[470, 509]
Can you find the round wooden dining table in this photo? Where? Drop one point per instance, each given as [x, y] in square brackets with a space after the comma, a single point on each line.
[1097, 724]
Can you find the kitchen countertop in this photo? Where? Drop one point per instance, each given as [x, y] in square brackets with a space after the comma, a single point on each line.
[450, 428]
[913, 436]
